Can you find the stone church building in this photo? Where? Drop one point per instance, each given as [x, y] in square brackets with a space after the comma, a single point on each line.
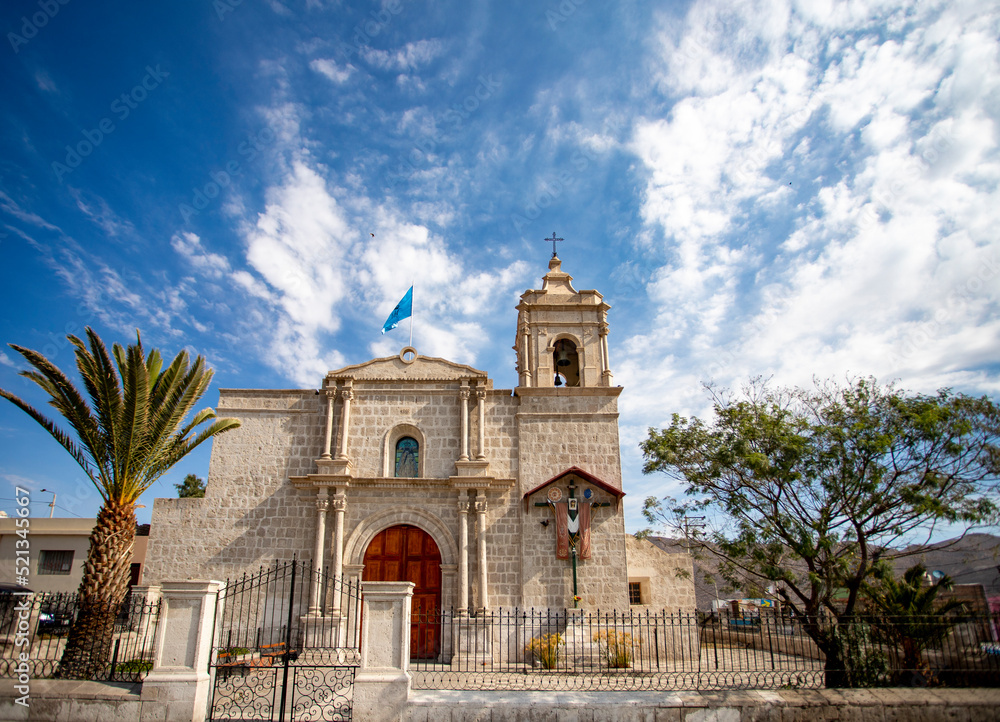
[417, 468]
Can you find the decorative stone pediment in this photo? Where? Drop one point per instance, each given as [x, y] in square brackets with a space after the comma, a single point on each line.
[407, 367]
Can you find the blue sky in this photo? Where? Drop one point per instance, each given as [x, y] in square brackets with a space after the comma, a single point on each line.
[775, 188]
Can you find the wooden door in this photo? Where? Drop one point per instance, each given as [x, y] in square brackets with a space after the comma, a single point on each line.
[405, 553]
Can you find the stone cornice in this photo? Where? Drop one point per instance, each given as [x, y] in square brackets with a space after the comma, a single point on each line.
[567, 415]
[568, 391]
[319, 481]
[392, 369]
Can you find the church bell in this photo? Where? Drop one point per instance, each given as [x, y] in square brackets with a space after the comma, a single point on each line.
[562, 357]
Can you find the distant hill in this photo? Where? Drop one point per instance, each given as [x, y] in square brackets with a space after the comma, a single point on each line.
[974, 559]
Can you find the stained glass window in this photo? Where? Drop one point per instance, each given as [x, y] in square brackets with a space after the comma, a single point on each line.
[407, 458]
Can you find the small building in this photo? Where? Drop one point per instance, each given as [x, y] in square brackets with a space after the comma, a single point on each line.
[57, 551]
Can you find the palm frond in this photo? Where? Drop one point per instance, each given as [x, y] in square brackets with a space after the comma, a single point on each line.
[134, 428]
[78, 453]
[66, 399]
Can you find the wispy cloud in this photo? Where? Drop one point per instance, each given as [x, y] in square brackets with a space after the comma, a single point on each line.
[189, 246]
[10, 206]
[862, 146]
[331, 70]
[97, 210]
[409, 57]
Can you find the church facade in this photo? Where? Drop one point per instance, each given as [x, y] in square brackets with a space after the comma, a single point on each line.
[417, 468]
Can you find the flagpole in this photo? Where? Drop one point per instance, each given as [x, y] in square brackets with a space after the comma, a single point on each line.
[411, 316]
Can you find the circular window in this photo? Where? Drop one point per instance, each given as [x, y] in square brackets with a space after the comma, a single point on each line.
[408, 355]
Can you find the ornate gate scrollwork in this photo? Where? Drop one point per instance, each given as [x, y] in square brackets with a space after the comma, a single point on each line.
[273, 659]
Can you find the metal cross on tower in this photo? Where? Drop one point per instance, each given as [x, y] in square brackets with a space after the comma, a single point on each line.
[553, 239]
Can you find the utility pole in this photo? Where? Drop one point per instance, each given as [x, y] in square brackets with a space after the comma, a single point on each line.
[52, 504]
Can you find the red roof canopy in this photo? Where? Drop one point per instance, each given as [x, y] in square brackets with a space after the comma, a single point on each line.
[586, 476]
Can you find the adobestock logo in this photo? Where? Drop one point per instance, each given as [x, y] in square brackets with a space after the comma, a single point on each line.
[48, 9]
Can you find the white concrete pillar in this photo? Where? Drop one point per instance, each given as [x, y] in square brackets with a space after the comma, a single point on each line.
[481, 401]
[464, 395]
[463, 553]
[321, 506]
[179, 679]
[328, 440]
[382, 685]
[339, 507]
[481, 555]
[345, 420]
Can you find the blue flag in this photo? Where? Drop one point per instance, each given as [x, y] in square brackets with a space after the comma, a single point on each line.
[403, 310]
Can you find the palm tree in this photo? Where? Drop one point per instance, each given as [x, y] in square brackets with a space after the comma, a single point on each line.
[909, 615]
[134, 429]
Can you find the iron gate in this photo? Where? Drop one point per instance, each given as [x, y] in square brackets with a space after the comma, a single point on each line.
[286, 646]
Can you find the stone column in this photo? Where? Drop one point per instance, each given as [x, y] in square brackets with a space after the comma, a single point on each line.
[345, 420]
[463, 553]
[481, 400]
[328, 440]
[464, 395]
[523, 340]
[179, 680]
[481, 555]
[382, 685]
[339, 507]
[605, 359]
[321, 505]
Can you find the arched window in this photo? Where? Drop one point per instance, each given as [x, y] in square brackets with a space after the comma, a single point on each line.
[407, 458]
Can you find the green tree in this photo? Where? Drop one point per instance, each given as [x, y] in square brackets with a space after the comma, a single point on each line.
[810, 489]
[908, 614]
[133, 430]
[191, 488]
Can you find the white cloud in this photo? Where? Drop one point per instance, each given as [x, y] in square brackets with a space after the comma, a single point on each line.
[312, 261]
[9, 205]
[45, 82]
[331, 70]
[98, 211]
[189, 246]
[5, 360]
[890, 148]
[409, 57]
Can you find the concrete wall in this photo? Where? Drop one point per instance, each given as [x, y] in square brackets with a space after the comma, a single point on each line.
[53, 700]
[874, 705]
[56, 534]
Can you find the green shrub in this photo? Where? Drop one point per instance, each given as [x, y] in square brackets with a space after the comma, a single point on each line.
[133, 667]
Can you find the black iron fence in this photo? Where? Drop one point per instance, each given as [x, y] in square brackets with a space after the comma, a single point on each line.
[39, 625]
[286, 645]
[571, 649]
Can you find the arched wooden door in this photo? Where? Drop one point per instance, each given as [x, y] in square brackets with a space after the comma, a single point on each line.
[405, 553]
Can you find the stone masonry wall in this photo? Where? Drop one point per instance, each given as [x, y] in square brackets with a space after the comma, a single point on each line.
[379, 407]
[568, 429]
[559, 430]
[501, 433]
[251, 514]
[667, 579]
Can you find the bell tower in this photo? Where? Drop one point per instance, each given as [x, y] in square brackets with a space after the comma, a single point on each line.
[562, 335]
